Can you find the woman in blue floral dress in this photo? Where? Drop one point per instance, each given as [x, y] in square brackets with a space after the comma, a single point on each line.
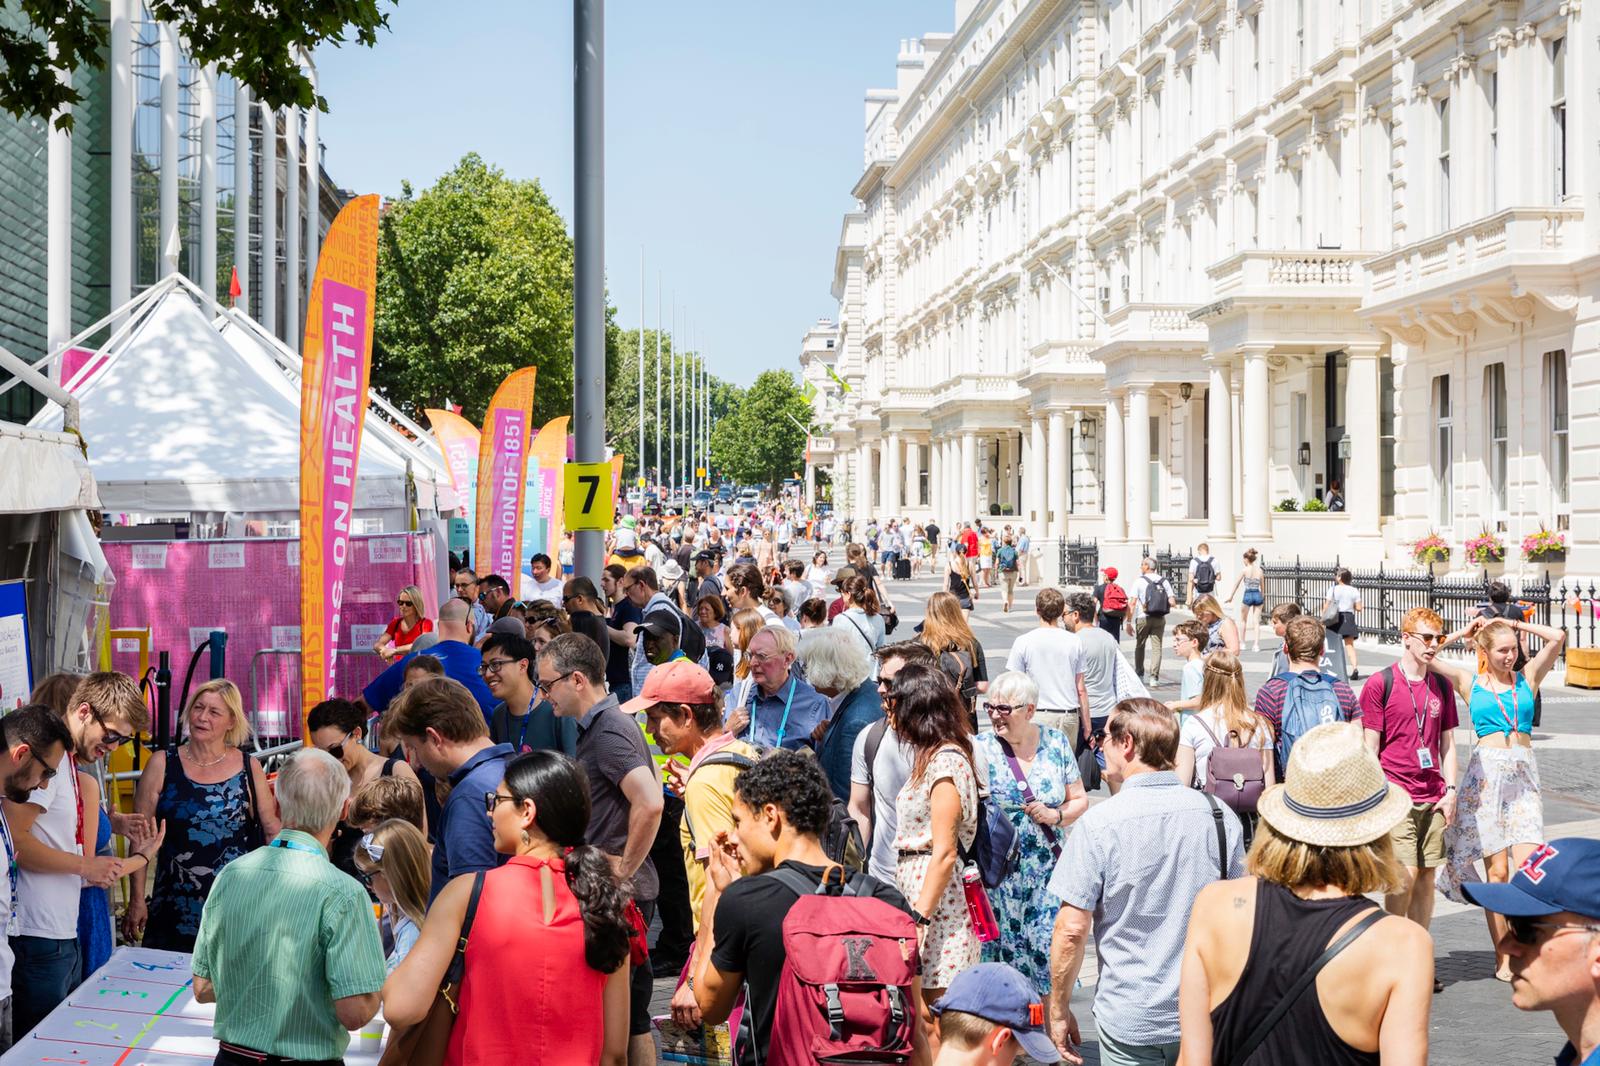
[1046, 799]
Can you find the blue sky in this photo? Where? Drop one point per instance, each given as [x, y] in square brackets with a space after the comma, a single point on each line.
[734, 134]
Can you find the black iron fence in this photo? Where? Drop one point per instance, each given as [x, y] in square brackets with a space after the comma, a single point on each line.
[1080, 562]
[1386, 596]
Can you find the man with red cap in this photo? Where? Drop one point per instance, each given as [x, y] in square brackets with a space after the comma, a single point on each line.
[684, 714]
[1113, 599]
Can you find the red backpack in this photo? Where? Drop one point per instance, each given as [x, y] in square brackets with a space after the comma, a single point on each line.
[844, 994]
[1116, 601]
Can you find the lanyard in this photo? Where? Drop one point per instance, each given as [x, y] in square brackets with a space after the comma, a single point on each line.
[527, 721]
[295, 845]
[1419, 713]
[77, 798]
[11, 864]
[1516, 710]
[755, 690]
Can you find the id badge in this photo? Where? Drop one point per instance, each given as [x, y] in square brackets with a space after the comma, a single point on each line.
[1425, 758]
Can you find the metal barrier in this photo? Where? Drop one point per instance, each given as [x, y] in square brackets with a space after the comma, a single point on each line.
[1080, 562]
[1172, 566]
[263, 755]
[275, 707]
[1386, 596]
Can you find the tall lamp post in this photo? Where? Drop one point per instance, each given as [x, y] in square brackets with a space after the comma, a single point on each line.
[589, 216]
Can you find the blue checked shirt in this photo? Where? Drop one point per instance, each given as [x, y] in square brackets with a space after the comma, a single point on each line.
[1136, 862]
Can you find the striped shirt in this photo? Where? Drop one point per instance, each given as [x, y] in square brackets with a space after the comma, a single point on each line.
[284, 934]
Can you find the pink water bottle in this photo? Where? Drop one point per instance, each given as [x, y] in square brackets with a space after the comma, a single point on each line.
[978, 910]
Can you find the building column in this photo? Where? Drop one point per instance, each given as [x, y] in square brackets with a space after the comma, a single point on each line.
[291, 228]
[167, 226]
[1219, 472]
[935, 475]
[1363, 501]
[1058, 475]
[969, 475]
[241, 187]
[953, 477]
[207, 94]
[1033, 459]
[913, 473]
[58, 240]
[269, 220]
[1114, 506]
[1256, 453]
[313, 159]
[811, 483]
[1138, 440]
[120, 60]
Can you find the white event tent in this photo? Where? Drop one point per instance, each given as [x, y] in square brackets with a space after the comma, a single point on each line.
[192, 411]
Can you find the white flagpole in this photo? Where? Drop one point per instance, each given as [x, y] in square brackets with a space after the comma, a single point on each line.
[656, 479]
[639, 458]
[672, 390]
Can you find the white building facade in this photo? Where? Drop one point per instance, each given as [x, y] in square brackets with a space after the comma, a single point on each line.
[1157, 272]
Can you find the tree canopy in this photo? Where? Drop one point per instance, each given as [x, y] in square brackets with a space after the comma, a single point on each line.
[764, 439]
[258, 46]
[475, 279]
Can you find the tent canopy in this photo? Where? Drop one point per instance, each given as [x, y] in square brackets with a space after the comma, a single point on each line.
[180, 418]
[43, 471]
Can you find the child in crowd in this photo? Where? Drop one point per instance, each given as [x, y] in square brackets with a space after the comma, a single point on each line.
[1189, 640]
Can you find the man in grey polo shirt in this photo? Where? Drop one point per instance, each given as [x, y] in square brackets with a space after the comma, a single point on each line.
[1133, 866]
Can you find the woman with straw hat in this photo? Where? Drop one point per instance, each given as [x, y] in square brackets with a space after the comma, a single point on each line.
[1293, 964]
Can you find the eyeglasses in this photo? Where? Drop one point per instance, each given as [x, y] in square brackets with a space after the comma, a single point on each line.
[1426, 638]
[1524, 930]
[1003, 710]
[493, 666]
[760, 659]
[374, 851]
[464, 585]
[337, 750]
[491, 800]
[402, 603]
[544, 687]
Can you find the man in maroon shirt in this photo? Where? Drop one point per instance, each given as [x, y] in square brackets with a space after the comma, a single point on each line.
[836, 608]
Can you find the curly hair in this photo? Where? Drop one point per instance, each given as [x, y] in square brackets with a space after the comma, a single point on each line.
[793, 783]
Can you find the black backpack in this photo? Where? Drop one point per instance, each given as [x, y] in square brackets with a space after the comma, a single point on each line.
[1205, 576]
[957, 664]
[1156, 600]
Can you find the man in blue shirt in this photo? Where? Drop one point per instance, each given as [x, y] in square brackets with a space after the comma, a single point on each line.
[468, 589]
[454, 649]
[442, 729]
[784, 710]
[1550, 910]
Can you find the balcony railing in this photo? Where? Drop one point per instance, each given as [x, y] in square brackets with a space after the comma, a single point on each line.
[1518, 235]
[1289, 274]
[1141, 320]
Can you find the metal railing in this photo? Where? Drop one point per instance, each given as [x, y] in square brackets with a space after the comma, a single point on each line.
[1172, 566]
[1386, 596]
[274, 683]
[1080, 562]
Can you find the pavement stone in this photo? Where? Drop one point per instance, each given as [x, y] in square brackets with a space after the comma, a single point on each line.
[1473, 1022]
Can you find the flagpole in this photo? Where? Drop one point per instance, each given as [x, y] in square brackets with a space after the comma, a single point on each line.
[639, 458]
[656, 478]
[672, 390]
[694, 419]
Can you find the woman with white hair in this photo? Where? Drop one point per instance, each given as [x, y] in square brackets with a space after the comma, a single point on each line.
[1033, 775]
[837, 665]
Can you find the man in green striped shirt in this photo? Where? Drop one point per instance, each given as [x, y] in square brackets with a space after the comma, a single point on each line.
[288, 946]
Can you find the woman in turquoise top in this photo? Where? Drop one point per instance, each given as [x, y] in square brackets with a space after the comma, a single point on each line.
[1499, 815]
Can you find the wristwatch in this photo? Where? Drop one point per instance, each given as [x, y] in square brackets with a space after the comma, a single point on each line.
[920, 918]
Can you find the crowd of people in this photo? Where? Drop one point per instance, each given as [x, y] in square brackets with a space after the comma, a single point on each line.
[848, 839]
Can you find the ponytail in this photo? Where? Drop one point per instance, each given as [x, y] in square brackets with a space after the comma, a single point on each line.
[603, 904]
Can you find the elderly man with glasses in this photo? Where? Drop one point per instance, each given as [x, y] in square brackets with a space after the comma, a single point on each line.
[1552, 912]
[784, 709]
[465, 582]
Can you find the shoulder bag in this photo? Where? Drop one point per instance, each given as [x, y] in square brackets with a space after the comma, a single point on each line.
[425, 1043]
[1028, 796]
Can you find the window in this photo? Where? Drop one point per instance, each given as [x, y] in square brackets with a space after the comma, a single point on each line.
[1555, 388]
[1491, 90]
[1442, 107]
[1443, 463]
[1155, 464]
[1494, 394]
[1255, 58]
[1558, 113]
[1386, 454]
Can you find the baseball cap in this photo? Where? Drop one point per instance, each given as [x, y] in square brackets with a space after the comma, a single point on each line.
[1563, 875]
[997, 993]
[705, 555]
[680, 681]
[1110, 572]
[509, 624]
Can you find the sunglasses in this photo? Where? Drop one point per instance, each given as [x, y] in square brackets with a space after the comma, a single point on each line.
[1525, 930]
[491, 800]
[337, 750]
[112, 738]
[1427, 638]
[402, 603]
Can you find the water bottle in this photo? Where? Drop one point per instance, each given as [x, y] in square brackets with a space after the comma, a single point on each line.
[978, 910]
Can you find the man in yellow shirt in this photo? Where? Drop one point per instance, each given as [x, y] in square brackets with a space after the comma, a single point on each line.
[684, 715]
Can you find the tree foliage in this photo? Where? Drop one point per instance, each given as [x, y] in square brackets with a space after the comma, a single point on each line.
[764, 439]
[258, 44]
[622, 399]
[475, 279]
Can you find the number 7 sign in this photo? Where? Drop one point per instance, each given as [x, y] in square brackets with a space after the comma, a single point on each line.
[587, 496]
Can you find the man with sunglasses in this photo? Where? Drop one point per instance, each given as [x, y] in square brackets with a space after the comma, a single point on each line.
[496, 596]
[1552, 911]
[1410, 719]
[47, 831]
[466, 585]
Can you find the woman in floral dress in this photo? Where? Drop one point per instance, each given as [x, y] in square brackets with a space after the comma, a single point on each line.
[938, 816]
[1042, 809]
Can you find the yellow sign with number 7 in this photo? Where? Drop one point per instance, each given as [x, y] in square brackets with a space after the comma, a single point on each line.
[587, 496]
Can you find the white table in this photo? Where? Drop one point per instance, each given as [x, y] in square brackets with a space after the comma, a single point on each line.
[139, 1010]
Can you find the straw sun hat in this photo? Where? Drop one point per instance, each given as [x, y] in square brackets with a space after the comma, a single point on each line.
[1335, 794]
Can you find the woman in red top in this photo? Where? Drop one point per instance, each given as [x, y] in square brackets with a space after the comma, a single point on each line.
[405, 627]
[546, 976]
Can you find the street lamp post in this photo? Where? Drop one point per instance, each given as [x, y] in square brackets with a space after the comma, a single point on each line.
[589, 317]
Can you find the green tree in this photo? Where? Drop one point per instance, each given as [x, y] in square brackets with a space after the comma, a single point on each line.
[622, 398]
[764, 437]
[258, 46]
[474, 280]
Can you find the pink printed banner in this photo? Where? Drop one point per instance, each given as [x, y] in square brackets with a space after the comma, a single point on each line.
[460, 441]
[502, 475]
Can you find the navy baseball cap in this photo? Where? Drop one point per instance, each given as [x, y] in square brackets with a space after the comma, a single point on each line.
[1563, 875]
[997, 993]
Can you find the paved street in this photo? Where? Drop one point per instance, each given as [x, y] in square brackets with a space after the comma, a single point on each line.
[1473, 1021]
